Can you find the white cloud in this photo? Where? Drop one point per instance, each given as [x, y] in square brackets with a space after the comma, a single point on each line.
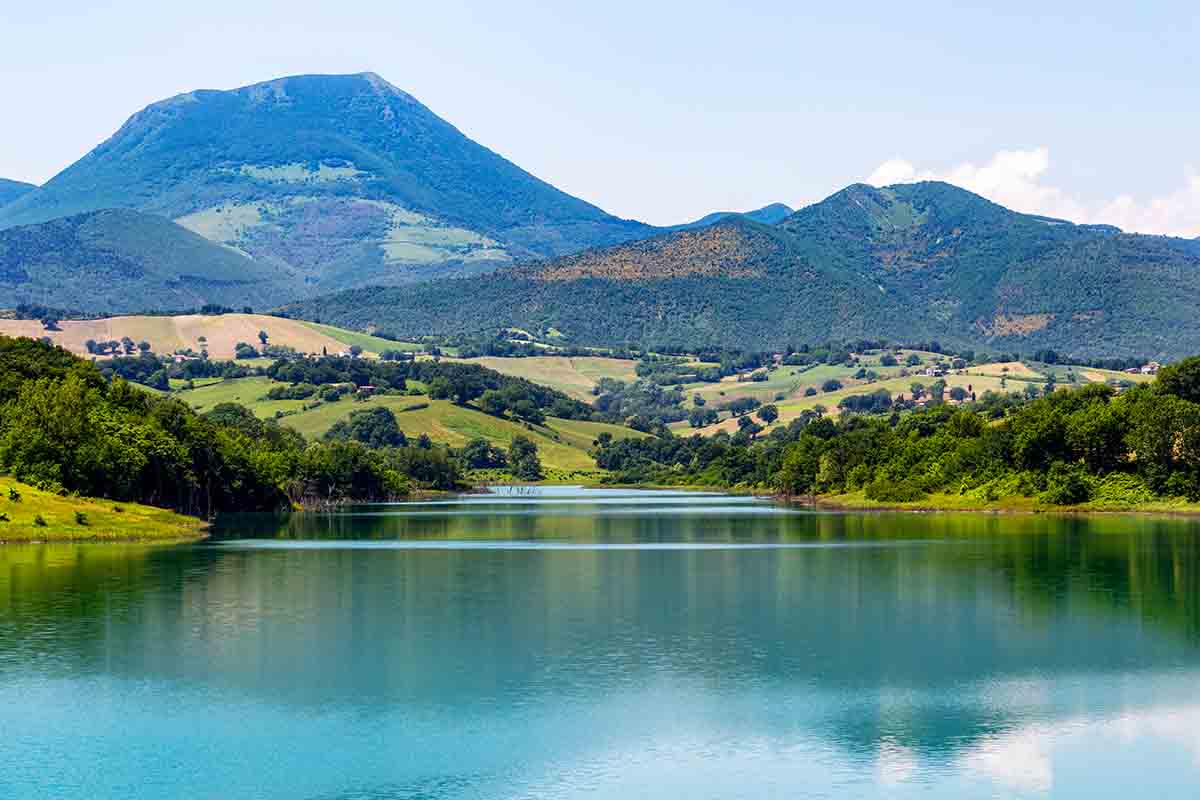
[1015, 178]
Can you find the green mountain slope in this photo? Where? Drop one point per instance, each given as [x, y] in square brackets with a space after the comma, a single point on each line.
[11, 190]
[911, 263]
[983, 274]
[343, 179]
[733, 282]
[120, 260]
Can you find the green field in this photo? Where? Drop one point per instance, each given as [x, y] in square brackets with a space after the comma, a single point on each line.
[575, 377]
[1010, 377]
[369, 344]
[562, 444]
[102, 520]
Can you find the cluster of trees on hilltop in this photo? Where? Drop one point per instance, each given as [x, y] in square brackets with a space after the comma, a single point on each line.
[1068, 447]
[445, 380]
[150, 370]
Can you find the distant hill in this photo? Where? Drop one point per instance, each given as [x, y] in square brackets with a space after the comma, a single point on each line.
[339, 180]
[121, 260]
[736, 282]
[910, 262]
[11, 190]
[767, 215]
[980, 273]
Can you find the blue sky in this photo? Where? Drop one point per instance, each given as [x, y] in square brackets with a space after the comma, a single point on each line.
[665, 111]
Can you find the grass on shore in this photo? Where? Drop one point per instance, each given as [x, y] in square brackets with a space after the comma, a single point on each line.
[101, 519]
[854, 501]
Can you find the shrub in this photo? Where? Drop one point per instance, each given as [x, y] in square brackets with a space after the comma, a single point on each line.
[39, 521]
[1066, 485]
[890, 491]
[81, 518]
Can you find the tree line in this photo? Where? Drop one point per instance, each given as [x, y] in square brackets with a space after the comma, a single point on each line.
[1067, 447]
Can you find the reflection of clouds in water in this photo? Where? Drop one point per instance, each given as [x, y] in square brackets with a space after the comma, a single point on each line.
[1024, 759]
[1018, 760]
[1180, 725]
[895, 764]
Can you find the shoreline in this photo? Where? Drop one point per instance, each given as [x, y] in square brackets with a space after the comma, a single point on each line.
[36, 516]
[1015, 505]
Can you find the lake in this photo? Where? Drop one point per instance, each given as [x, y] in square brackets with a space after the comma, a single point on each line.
[567, 643]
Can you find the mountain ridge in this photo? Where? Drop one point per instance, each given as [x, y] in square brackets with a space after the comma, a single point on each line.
[770, 214]
[921, 261]
[11, 190]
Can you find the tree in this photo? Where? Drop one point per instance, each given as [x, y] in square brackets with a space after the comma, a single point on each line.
[128, 345]
[1181, 379]
[492, 402]
[698, 401]
[144, 346]
[262, 337]
[831, 385]
[523, 459]
[768, 414]
[373, 427]
[355, 351]
[958, 394]
[748, 427]
[243, 350]
[440, 388]
[888, 360]
[912, 360]
[479, 453]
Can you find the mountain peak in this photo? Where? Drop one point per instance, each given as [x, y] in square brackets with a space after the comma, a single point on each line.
[342, 179]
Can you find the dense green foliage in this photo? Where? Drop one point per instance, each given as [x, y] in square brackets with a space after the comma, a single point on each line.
[907, 262]
[1066, 448]
[65, 427]
[122, 261]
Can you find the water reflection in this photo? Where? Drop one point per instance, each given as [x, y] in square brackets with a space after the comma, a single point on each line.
[761, 654]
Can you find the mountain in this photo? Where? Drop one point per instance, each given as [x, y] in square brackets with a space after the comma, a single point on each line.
[735, 282]
[767, 215]
[909, 262]
[342, 179]
[11, 190]
[983, 274]
[118, 260]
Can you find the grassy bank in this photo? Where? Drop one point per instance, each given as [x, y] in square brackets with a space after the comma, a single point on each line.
[857, 501]
[73, 519]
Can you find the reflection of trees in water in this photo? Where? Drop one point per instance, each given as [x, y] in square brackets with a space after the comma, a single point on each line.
[860, 643]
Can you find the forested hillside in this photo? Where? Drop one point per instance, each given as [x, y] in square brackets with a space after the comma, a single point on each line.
[910, 262]
[122, 260]
[733, 282]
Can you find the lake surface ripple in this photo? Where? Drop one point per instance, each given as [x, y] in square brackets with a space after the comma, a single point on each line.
[571, 643]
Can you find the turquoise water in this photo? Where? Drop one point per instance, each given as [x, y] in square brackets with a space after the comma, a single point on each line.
[584, 644]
